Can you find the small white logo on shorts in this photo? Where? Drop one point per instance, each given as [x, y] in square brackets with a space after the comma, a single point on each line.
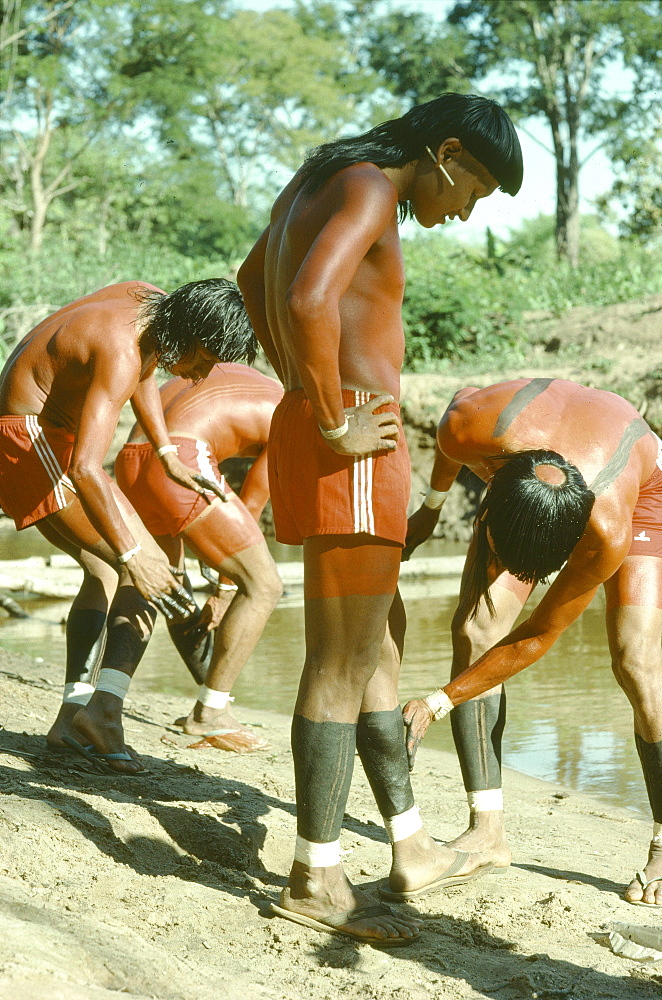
[642, 537]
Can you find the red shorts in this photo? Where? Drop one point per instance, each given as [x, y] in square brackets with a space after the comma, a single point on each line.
[647, 516]
[34, 459]
[165, 508]
[315, 491]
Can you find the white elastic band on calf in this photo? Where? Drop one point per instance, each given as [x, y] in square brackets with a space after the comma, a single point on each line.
[165, 449]
[657, 833]
[306, 852]
[403, 826]
[213, 699]
[439, 703]
[335, 432]
[434, 499]
[227, 586]
[113, 682]
[77, 693]
[486, 800]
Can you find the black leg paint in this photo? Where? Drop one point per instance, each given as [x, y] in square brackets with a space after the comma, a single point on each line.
[130, 626]
[380, 742]
[194, 649]
[650, 755]
[86, 638]
[323, 754]
[477, 731]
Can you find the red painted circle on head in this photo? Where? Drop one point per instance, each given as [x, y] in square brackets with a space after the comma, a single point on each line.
[550, 474]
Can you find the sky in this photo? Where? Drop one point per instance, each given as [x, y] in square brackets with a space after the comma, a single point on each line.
[501, 212]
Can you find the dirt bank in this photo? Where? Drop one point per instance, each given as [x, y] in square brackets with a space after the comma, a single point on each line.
[157, 886]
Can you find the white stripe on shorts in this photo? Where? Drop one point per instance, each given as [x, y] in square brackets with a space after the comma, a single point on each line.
[48, 460]
[205, 466]
[364, 518]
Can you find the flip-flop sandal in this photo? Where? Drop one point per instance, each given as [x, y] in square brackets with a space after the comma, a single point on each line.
[644, 883]
[98, 759]
[333, 924]
[445, 881]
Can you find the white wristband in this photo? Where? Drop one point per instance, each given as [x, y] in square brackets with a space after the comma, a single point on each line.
[434, 499]
[439, 704]
[165, 449]
[124, 558]
[335, 432]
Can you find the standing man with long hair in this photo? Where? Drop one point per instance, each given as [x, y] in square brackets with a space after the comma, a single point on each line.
[323, 287]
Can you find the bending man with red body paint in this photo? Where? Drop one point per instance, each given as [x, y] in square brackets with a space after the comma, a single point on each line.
[323, 287]
[574, 483]
[227, 415]
[61, 393]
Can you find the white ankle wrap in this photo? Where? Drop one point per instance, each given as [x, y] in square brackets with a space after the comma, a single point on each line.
[113, 682]
[486, 800]
[213, 699]
[77, 693]
[306, 852]
[402, 826]
[657, 833]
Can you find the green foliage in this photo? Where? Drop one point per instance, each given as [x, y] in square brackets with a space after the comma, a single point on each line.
[463, 304]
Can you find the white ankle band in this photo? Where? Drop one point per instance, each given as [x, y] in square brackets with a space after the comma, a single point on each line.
[77, 693]
[486, 800]
[306, 852]
[213, 699]
[113, 682]
[402, 826]
[657, 833]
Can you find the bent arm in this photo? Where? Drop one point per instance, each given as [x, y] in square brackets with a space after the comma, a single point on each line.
[250, 279]
[366, 206]
[255, 490]
[570, 595]
[111, 385]
[148, 411]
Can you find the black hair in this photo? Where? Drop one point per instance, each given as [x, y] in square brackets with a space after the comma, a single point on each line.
[482, 126]
[534, 525]
[210, 313]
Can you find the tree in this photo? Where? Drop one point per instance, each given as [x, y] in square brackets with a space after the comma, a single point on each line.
[556, 55]
[56, 102]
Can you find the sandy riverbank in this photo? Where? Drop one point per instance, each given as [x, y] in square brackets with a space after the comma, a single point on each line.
[156, 886]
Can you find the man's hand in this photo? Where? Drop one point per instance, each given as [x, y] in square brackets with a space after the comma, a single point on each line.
[368, 431]
[152, 579]
[212, 613]
[181, 474]
[416, 716]
[420, 526]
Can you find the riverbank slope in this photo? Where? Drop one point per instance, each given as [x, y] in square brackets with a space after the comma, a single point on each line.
[158, 885]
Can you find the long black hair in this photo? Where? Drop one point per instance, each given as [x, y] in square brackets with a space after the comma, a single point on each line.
[482, 126]
[210, 313]
[534, 525]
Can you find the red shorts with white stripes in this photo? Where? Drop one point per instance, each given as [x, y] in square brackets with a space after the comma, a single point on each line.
[164, 507]
[647, 515]
[315, 491]
[34, 459]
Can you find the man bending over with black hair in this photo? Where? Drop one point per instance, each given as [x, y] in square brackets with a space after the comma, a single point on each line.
[61, 393]
[537, 443]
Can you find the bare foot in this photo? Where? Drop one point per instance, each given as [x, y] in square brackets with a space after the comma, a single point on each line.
[651, 895]
[486, 837]
[324, 893]
[419, 861]
[63, 726]
[204, 721]
[100, 724]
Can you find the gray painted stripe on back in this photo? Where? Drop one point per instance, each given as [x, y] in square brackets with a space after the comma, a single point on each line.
[621, 456]
[519, 402]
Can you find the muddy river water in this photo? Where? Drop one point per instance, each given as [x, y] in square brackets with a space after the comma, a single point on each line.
[568, 722]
